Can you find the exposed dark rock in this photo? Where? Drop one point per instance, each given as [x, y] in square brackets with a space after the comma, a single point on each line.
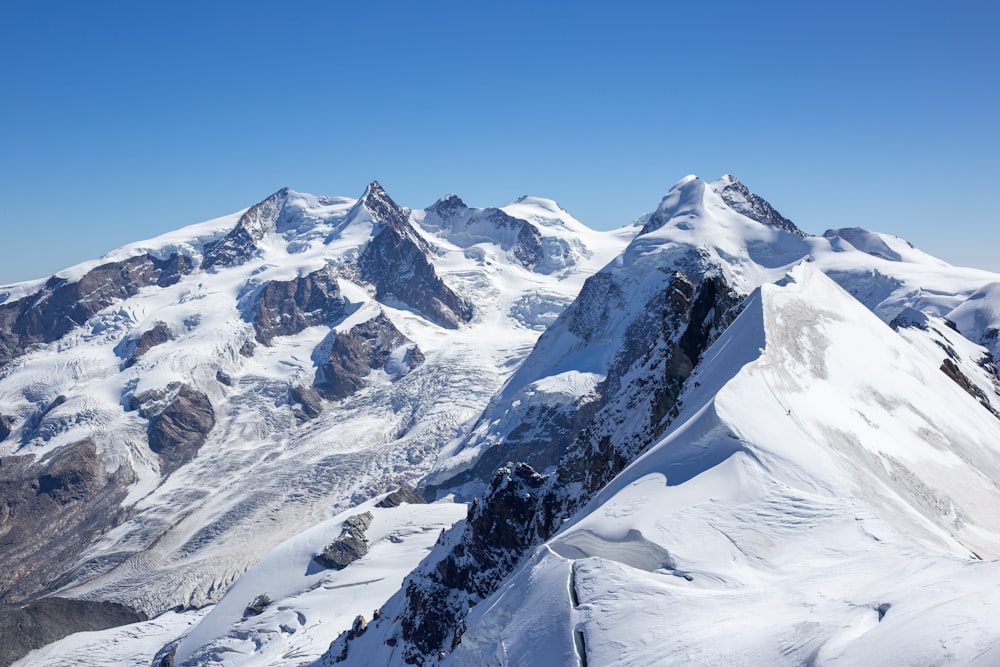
[224, 378]
[740, 199]
[355, 353]
[306, 402]
[404, 494]
[349, 546]
[132, 348]
[496, 533]
[951, 369]
[395, 262]
[180, 419]
[283, 308]
[259, 604]
[600, 300]
[6, 426]
[61, 305]
[448, 207]
[51, 511]
[247, 348]
[240, 244]
[31, 626]
[528, 250]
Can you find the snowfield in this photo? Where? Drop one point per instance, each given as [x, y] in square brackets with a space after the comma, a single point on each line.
[827, 496]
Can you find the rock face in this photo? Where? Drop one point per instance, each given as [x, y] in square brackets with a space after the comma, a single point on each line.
[6, 426]
[521, 508]
[373, 345]
[51, 511]
[403, 494]
[395, 262]
[349, 546]
[27, 627]
[306, 402]
[60, 305]
[180, 419]
[132, 348]
[283, 308]
[740, 199]
[240, 244]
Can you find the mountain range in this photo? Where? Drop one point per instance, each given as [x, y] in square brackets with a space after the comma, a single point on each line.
[326, 430]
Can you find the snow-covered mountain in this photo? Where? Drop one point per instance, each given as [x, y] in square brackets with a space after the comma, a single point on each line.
[177, 409]
[705, 437]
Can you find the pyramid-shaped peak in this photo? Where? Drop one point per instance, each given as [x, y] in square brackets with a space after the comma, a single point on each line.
[380, 206]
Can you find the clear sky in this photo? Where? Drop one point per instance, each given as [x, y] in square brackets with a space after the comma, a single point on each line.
[123, 120]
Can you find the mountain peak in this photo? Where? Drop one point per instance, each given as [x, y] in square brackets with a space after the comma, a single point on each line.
[739, 198]
[380, 206]
[686, 195]
[448, 205]
[241, 242]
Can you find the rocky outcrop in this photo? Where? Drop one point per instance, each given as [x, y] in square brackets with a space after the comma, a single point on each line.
[529, 249]
[403, 495]
[180, 419]
[740, 199]
[395, 262]
[240, 244]
[62, 305]
[354, 354]
[51, 511]
[497, 531]
[31, 626]
[6, 426]
[284, 308]
[349, 546]
[133, 347]
[951, 369]
[306, 402]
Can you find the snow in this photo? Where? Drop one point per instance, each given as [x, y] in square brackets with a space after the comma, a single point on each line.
[823, 496]
[797, 511]
[312, 605]
[133, 645]
[262, 476]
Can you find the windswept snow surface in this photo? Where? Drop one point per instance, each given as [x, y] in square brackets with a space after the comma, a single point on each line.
[827, 496]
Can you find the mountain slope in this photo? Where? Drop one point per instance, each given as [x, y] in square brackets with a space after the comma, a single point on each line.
[763, 525]
[614, 373]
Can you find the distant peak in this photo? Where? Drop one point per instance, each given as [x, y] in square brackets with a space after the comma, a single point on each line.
[375, 189]
[540, 202]
[380, 206]
[448, 205]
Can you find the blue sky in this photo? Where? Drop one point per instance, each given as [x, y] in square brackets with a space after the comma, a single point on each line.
[123, 120]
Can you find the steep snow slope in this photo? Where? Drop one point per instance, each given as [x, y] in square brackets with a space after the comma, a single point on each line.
[824, 497]
[259, 333]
